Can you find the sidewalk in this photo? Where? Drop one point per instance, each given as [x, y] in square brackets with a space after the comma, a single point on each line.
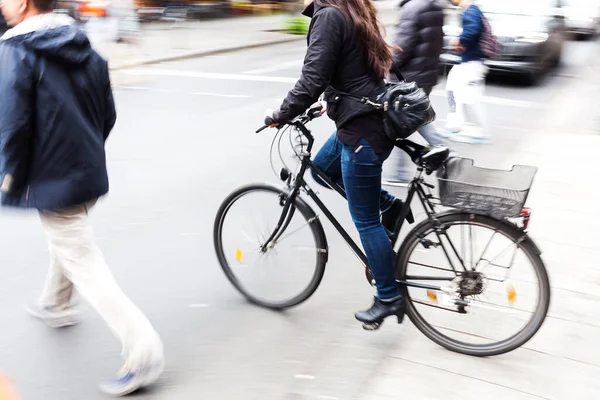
[561, 361]
[167, 41]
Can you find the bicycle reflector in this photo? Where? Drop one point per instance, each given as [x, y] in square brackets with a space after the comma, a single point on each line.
[526, 215]
[238, 255]
[431, 295]
[511, 294]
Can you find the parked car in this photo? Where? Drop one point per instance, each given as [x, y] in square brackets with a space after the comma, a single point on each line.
[582, 17]
[530, 35]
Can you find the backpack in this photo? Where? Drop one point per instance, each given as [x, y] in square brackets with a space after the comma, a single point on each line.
[487, 41]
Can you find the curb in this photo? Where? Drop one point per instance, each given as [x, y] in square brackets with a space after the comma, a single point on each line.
[205, 53]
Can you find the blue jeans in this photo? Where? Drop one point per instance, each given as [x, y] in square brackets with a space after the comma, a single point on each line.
[358, 170]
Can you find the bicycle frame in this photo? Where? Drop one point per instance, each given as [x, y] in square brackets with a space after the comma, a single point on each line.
[415, 187]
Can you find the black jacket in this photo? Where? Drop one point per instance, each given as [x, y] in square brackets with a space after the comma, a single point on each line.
[56, 111]
[333, 58]
[419, 33]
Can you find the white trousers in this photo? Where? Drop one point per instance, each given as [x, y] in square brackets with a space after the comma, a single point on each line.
[76, 261]
[465, 87]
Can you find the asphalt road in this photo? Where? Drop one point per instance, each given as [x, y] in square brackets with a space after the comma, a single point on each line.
[185, 139]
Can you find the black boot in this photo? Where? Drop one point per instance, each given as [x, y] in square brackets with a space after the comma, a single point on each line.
[381, 310]
[391, 218]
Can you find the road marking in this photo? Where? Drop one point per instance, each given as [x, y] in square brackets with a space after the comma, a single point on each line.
[140, 88]
[307, 377]
[208, 75]
[145, 88]
[500, 101]
[199, 305]
[241, 96]
[283, 79]
[276, 67]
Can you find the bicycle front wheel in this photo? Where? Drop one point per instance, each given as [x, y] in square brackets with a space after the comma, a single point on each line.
[473, 284]
[287, 271]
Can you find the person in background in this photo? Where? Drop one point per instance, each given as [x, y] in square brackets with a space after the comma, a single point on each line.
[56, 112]
[346, 51]
[420, 39]
[466, 81]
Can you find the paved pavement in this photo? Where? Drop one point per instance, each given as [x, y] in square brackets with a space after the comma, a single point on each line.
[184, 139]
[163, 41]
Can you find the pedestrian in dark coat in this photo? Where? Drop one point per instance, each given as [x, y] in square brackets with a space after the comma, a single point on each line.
[419, 38]
[56, 113]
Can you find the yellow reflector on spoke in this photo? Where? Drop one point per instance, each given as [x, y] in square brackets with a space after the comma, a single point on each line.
[431, 295]
[511, 294]
[238, 255]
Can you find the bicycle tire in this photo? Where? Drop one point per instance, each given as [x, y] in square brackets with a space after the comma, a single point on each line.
[510, 231]
[317, 231]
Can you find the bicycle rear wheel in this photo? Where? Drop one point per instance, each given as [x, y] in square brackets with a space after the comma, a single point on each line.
[286, 272]
[485, 309]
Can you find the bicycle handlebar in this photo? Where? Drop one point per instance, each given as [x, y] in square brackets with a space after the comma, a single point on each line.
[310, 114]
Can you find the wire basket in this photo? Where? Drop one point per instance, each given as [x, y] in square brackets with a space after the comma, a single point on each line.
[494, 192]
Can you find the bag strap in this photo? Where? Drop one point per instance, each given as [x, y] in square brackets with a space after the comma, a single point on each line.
[364, 99]
[398, 73]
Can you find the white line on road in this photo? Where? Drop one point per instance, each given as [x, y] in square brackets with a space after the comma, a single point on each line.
[199, 305]
[241, 96]
[149, 89]
[125, 87]
[283, 79]
[500, 101]
[308, 377]
[208, 75]
[276, 67]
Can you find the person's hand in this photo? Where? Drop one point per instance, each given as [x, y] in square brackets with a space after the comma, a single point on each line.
[323, 104]
[269, 114]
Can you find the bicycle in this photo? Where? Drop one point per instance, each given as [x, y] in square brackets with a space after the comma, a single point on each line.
[463, 284]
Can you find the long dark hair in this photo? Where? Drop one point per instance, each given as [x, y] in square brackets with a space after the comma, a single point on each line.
[364, 16]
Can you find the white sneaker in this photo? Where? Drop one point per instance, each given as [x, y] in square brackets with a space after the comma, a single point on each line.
[471, 134]
[53, 316]
[453, 125]
[129, 380]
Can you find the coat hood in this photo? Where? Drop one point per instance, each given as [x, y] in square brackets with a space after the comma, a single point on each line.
[52, 36]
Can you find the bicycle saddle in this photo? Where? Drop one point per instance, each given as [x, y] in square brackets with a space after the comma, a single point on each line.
[435, 158]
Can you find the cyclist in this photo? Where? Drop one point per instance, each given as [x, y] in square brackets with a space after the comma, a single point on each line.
[346, 51]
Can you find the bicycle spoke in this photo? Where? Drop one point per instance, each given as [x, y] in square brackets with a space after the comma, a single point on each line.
[495, 307]
[472, 248]
[432, 267]
[295, 231]
[491, 261]
[485, 249]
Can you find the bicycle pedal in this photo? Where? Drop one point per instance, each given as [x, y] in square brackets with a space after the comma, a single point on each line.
[373, 326]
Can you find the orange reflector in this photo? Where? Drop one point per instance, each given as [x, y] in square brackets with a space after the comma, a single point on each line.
[511, 294]
[431, 295]
[238, 255]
